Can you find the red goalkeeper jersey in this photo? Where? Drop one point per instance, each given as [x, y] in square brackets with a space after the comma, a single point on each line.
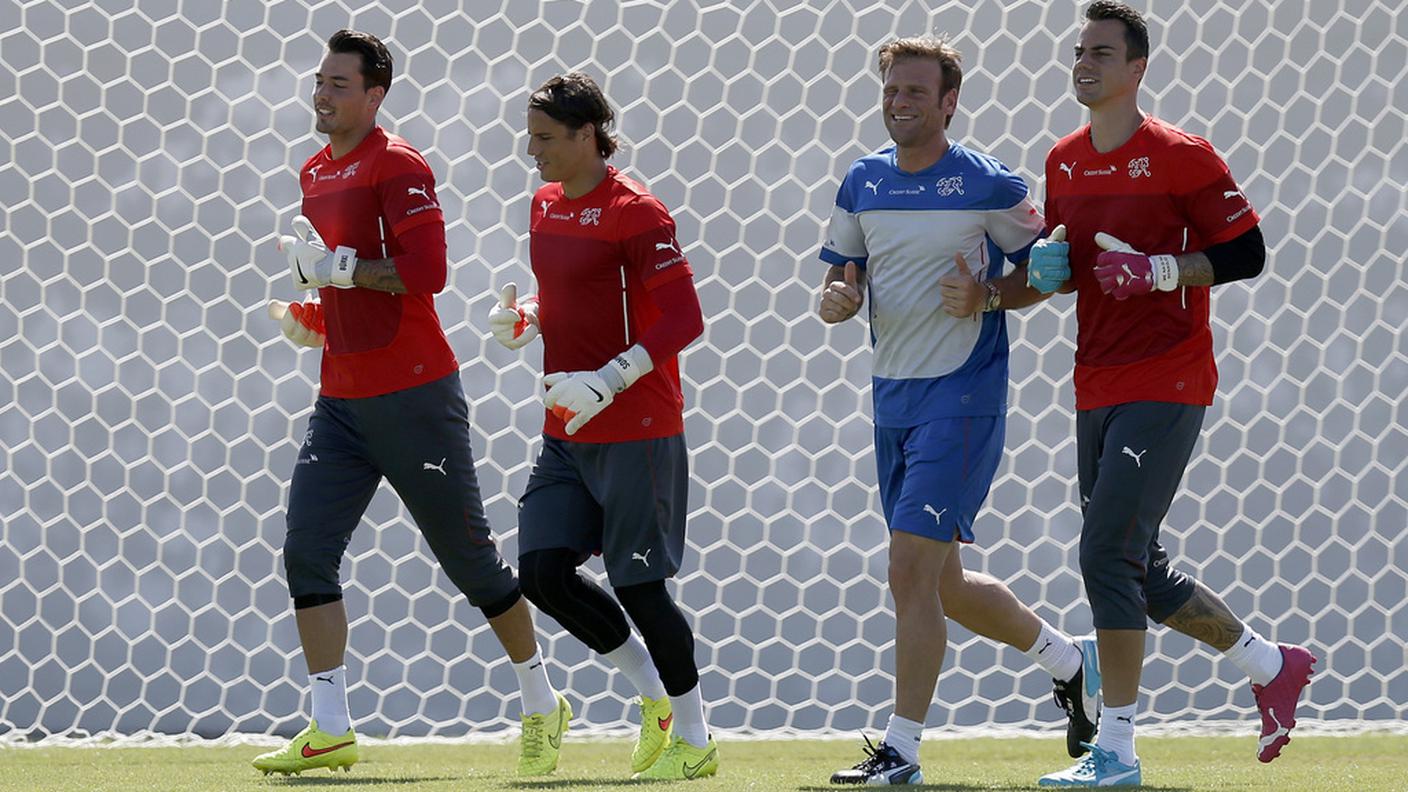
[596, 259]
[378, 342]
[1164, 192]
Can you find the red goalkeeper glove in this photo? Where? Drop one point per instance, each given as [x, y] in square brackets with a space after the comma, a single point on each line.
[1124, 272]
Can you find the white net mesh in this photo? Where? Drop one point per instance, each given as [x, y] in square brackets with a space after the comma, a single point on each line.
[148, 410]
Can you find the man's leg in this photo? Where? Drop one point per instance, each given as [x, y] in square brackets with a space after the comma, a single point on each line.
[986, 606]
[1278, 673]
[921, 635]
[643, 489]
[331, 486]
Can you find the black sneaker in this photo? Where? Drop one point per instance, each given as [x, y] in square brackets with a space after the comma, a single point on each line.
[883, 766]
[1080, 699]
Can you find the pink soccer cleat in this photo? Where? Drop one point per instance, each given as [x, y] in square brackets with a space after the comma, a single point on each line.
[1277, 700]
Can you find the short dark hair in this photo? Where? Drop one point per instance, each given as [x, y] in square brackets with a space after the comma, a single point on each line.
[1136, 30]
[934, 48]
[376, 59]
[575, 100]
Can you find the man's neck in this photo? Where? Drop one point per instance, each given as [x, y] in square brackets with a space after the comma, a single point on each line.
[1111, 127]
[585, 181]
[913, 159]
[342, 144]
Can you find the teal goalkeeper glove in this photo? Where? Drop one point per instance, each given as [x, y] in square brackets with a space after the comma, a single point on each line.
[310, 264]
[578, 396]
[1050, 262]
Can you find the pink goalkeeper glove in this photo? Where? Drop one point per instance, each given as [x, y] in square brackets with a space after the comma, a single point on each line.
[1124, 272]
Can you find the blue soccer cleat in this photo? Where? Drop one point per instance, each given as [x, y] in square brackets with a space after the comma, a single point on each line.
[1101, 768]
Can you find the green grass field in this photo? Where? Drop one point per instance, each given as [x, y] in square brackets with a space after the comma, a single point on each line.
[1323, 764]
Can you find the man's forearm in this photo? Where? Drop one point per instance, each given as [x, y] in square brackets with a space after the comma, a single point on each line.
[378, 274]
[1194, 269]
[1015, 291]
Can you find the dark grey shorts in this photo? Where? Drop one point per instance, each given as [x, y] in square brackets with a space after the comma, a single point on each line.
[1131, 459]
[418, 439]
[627, 501]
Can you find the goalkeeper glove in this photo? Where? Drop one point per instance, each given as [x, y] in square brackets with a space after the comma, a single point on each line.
[1050, 262]
[513, 323]
[577, 396]
[1124, 272]
[302, 323]
[310, 264]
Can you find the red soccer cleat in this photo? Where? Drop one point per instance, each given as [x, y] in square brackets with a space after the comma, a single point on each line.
[1277, 700]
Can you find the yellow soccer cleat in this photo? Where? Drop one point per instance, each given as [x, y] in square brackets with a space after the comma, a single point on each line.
[655, 721]
[682, 761]
[541, 740]
[310, 749]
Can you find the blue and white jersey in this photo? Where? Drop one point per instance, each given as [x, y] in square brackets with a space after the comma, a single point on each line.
[904, 229]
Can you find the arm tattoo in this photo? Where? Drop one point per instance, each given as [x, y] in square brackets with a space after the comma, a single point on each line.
[378, 274]
[1206, 618]
[1194, 269]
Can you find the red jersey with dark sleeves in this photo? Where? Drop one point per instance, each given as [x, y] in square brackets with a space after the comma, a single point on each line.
[1164, 192]
[378, 342]
[596, 259]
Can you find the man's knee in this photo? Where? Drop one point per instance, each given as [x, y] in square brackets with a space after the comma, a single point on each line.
[916, 564]
[1114, 585]
[311, 568]
[1166, 590]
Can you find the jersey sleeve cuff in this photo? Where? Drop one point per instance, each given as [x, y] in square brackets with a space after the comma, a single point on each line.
[837, 260]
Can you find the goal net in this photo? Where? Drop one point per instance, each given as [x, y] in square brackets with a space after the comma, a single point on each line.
[150, 412]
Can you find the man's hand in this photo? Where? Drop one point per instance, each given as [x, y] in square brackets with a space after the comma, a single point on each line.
[302, 323]
[841, 299]
[961, 293]
[1124, 272]
[310, 264]
[513, 323]
[576, 397]
[1050, 262]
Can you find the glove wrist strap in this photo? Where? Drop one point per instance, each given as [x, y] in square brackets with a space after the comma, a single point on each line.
[627, 367]
[1165, 272]
[344, 264]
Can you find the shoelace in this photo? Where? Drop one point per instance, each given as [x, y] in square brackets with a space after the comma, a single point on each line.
[873, 760]
[1062, 701]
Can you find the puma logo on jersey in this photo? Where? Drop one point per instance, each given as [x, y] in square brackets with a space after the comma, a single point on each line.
[671, 245]
[1233, 194]
[644, 558]
[1069, 169]
[874, 186]
[1127, 451]
[937, 514]
[545, 205]
[313, 171]
[421, 191]
[432, 466]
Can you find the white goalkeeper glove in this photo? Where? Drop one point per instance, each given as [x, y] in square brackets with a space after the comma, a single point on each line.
[310, 264]
[1124, 272]
[302, 323]
[513, 323]
[578, 396]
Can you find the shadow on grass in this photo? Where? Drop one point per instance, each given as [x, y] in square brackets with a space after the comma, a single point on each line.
[353, 780]
[982, 787]
[576, 783]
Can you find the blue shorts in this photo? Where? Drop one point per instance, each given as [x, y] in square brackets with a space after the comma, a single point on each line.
[935, 476]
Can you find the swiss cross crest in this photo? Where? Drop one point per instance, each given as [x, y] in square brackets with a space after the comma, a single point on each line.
[1139, 166]
[949, 185]
[591, 216]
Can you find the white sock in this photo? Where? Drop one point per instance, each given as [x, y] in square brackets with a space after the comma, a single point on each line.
[1257, 657]
[330, 700]
[1055, 653]
[538, 697]
[904, 736]
[1117, 732]
[632, 659]
[689, 724]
